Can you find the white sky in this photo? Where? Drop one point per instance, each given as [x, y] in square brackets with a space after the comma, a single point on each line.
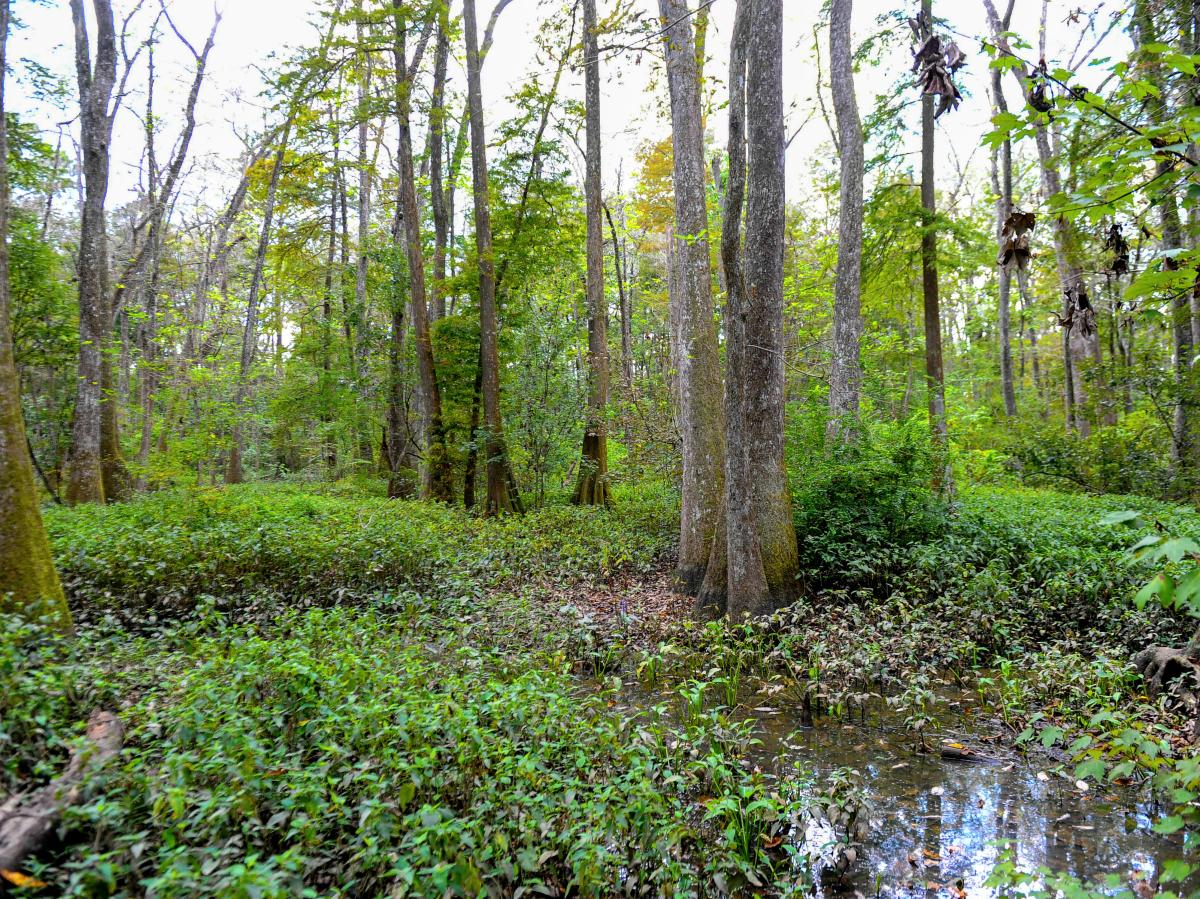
[252, 31]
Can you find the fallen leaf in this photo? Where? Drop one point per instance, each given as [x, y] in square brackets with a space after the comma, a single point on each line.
[771, 842]
[16, 878]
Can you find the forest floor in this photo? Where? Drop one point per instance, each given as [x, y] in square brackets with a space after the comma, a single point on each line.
[330, 692]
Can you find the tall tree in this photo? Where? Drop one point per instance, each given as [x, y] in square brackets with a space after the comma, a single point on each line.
[29, 584]
[1004, 208]
[439, 483]
[763, 353]
[96, 79]
[735, 563]
[592, 487]
[1070, 275]
[233, 471]
[935, 375]
[845, 378]
[499, 498]
[696, 361]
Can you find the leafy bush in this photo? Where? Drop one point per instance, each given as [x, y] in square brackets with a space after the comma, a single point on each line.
[858, 506]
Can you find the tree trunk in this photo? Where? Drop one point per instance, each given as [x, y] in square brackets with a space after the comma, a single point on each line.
[696, 360]
[734, 575]
[1004, 208]
[29, 585]
[935, 378]
[437, 193]
[764, 404]
[845, 380]
[85, 481]
[233, 471]
[499, 498]
[592, 488]
[439, 485]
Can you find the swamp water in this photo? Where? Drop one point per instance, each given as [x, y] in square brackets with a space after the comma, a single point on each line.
[937, 822]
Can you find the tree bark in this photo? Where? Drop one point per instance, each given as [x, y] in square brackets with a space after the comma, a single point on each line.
[735, 563]
[694, 340]
[845, 379]
[592, 487]
[29, 585]
[96, 79]
[765, 402]
[439, 484]
[499, 499]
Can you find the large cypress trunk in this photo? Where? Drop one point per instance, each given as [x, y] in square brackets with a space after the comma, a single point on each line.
[764, 342]
[694, 339]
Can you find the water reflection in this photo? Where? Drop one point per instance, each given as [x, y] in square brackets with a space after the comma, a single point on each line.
[938, 823]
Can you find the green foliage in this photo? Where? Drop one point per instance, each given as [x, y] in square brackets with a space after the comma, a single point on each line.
[161, 553]
[343, 752]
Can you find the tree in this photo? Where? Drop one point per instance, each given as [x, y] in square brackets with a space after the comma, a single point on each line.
[592, 486]
[845, 377]
[29, 584]
[96, 80]
[439, 484]
[499, 498]
[233, 470]
[935, 375]
[694, 335]
[1004, 209]
[763, 333]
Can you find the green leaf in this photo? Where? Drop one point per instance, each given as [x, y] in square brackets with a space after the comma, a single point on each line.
[1170, 824]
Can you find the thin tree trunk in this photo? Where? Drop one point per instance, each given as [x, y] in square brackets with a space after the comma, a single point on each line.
[437, 193]
[233, 471]
[440, 481]
[694, 337]
[499, 498]
[1004, 208]
[845, 380]
[29, 585]
[935, 378]
[592, 488]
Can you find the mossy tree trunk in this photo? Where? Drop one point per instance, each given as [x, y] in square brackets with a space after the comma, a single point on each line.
[29, 584]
